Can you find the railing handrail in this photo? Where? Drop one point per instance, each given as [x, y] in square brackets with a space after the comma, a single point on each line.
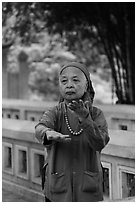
[41, 105]
[121, 144]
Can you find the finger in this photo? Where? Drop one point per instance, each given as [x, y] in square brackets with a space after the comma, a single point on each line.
[81, 103]
[68, 139]
[75, 103]
[86, 104]
[71, 106]
[64, 136]
[64, 140]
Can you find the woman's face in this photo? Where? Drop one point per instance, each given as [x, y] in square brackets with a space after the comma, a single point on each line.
[72, 83]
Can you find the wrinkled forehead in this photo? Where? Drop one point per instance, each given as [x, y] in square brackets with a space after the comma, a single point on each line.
[69, 71]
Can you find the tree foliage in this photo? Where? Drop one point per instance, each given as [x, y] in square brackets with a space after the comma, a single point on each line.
[111, 24]
[44, 59]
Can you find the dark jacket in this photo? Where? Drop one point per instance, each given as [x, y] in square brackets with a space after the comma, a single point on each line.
[73, 168]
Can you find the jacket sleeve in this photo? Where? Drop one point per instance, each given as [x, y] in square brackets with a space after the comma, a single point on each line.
[47, 121]
[96, 130]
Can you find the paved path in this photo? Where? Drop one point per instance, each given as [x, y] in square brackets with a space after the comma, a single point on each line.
[8, 196]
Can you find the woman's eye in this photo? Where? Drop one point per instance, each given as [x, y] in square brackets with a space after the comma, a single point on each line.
[75, 80]
[64, 81]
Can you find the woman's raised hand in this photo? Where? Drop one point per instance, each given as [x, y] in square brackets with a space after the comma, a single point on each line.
[80, 108]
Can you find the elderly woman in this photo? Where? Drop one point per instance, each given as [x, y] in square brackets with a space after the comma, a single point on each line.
[74, 133]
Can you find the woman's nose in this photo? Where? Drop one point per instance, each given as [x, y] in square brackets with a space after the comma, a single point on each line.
[70, 84]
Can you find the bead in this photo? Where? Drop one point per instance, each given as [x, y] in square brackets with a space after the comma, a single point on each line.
[69, 128]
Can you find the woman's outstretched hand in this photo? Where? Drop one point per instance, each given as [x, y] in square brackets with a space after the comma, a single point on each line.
[53, 135]
[80, 108]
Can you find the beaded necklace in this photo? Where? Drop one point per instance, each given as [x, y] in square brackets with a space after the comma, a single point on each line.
[68, 126]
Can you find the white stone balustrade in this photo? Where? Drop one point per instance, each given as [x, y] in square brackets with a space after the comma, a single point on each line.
[23, 158]
[119, 117]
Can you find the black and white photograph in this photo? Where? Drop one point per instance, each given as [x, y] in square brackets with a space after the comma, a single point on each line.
[68, 101]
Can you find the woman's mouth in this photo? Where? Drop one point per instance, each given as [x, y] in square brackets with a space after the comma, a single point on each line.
[70, 92]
